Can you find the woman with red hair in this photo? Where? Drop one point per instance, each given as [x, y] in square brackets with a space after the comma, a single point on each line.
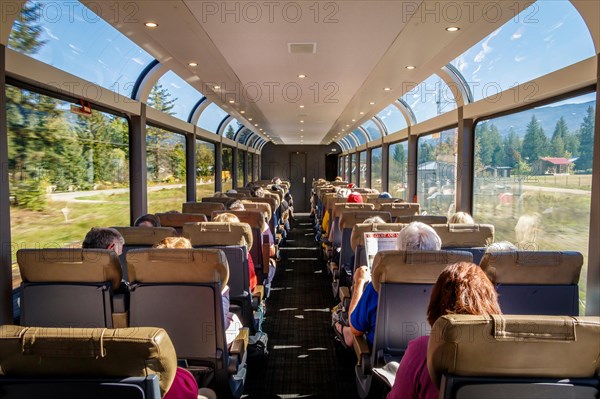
[461, 288]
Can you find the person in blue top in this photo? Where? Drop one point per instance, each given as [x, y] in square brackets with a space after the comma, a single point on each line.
[416, 236]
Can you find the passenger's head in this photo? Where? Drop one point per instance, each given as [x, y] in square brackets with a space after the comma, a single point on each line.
[374, 219]
[226, 218]
[338, 178]
[173, 242]
[461, 217]
[234, 205]
[418, 236]
[385, 194]
[487, 260]
[462, 288]
[351, 185]
[219, 194]
[258, 192]
[147, 220]
[355, 198]
[276, 180]
[231, 192]
[104, 238]
[342, 192]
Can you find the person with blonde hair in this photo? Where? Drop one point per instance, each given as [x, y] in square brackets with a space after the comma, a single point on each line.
[461, 288]
[462, 218]
[173, 242]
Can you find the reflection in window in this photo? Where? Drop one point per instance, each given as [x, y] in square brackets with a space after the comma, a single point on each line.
[436, 172]
[211, 118]
[359, 136]
[393, 119]
[243, 135]
[52, 151]
[227, 173]
[240, 168]
[205, 169]
[372, 129]
[376, 167]
[363, 169]
[349, 162]
[341, 166]
[70, 37]
[256, 167]
[232, 128]
[398, 165]
[552, 31]
[533, 174]
[165, 161]
[173, 95]
[430, 98]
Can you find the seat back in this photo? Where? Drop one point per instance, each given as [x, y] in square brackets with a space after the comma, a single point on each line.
[357, 239]
[220, 200]
[525, 356]
[348, 219]
[204, 207]
[380, 201]
[86, 362]
[400, 208]
[142, 237]
[68, 287]
[177, 220]
[535, 282]
[404, 281]
[238, 195]
[180, 290]
[474, 238]
[427, 219]
[335, 232]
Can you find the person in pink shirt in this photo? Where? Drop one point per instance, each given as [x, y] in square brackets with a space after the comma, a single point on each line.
[461, 288]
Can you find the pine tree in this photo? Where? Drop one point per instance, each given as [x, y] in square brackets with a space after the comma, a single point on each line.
[512, 149]
[230, 133]
[586, 141]
[25, 35]
[160, 99]
[559, 137]
[535, 143]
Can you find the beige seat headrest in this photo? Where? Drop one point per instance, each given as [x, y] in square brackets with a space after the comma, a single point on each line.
[380, 201]
[533, 267]
[72, 265]
[514, 345]
[219, 200]
[339, 208]
[263, 207]
[416, 267]
[216, 233]
[400, 208]
[359, 230]
[253, 217]
[272, 202]
[350, 218]
[145, 235]
[179, 265]
[204, 207]
[179, 219]
[87, 353]
[465, 235]
[427, 219]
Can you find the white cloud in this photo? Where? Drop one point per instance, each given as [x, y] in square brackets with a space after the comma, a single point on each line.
[461, 63]
[50, 34]
[477, 70]
[556, 26]
[137, 61]
[175, 86]
[485, 47]
[518, 34]
[520, 58]
[74, 47]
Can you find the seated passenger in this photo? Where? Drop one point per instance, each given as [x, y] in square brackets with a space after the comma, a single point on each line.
[219, 194]
[461, 217]
[147, 220]
[355, 198]
[231, 322]
[374, 220]
[234, 205]
[385, 194]
[231, 218]
[104, 238]
[276, 180]
[416, 236]
[462, 288]
[257, 192]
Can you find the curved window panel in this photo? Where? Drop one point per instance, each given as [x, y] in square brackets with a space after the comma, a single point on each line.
[211, 118]
[359, 136]
[70, 37]
[256, 174]
[58, 164]
[227, 173]
[252, 141]
[243, 135]
[552, 31]
[165, 162]
[349, 162]
[430, 98]
[393, 119]
[232, 128]
[436, 172]
[174, 96]
[533, 177]
[241, 158]
[398, 165]
[205, 169]
[362, 164]
[372, 129]
[376, 167]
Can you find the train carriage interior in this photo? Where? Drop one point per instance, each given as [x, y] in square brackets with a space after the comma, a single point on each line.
[292, 199]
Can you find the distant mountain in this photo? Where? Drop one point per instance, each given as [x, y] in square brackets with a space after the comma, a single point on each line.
[548, 116]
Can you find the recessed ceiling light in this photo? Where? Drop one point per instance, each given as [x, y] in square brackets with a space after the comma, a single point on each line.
[193, 64]
[343, 130]
[301, 130]
[302, 106]
[301, 136]
[453, 29]
[410, 67]
[217, 87]
[372, 103]
[256, 124]
[301, 121]
[301, 76]
[242, 112]
[261, 129]
[387, 88]
[347, 125]
[249, 119]
[362, 113]
[231, 101]
[353, 120]
[151, 24]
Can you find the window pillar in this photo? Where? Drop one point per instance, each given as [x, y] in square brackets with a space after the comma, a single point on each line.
[218, 167]
[369, 167]
[190, 166]
[138, 173]
[234, 166]
[464, 164]
[412, 167]
[385, 167]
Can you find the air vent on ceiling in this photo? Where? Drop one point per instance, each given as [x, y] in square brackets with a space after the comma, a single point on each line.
[302, 48]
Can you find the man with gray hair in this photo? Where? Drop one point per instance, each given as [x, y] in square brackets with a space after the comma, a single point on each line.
[104, 238]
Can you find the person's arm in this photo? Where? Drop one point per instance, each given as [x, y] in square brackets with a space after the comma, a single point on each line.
[361, 279]
[412, 378]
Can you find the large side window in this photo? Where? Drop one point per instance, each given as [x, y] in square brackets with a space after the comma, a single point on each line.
[533, 176]
[68, 172]
[436, 172]
[165, 162]
[205, 169]
[227, 173]
[398, 165]
[376, 182]
[240, 168]
[362, 164]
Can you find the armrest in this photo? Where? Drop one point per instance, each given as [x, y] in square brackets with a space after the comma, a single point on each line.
[259, 292]
[361, 348]
[240, 343]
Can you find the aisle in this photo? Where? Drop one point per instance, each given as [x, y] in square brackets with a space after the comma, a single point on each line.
[304, 360]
